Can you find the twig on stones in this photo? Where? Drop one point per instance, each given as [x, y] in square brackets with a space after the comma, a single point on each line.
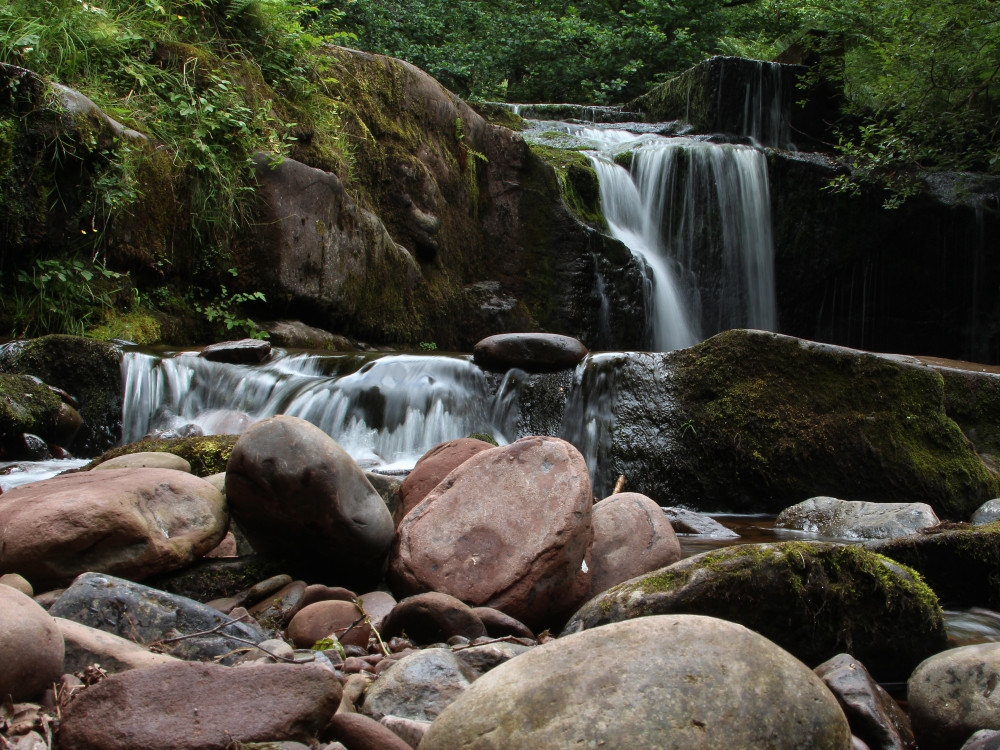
[619, 485]
[502, 639]
[220, 626]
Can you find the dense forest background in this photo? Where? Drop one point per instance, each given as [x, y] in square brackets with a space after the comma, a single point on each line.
[217, 81]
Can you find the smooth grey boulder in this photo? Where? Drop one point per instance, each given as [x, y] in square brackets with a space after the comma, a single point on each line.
[854, 519]
[954, 694]
[418, 686]
[297, 494]
[986, 513]
[686, 521]
[242, 352]
[189, 706]
[815, 599]
[699, 681]
[147, 615]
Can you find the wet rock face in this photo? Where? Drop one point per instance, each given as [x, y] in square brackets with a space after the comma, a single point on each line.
[131, 522]
[814, 599]
[509, 529]
[86, 369]
[757, 421]
[717, 685]
[295, 492]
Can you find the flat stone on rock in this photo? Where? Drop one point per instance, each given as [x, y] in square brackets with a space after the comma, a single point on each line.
[204, 706]
[296, 493]
[534, 352]
[242, 352]
[128, 522]
[510, 529]
[706, 683]
[146, 460]
[684, 521]
[853, 519]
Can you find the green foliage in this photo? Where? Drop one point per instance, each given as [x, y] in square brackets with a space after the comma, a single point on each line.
[61, 295]
[224, 312]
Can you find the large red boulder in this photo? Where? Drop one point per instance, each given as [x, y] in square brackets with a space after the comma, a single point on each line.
[510, 528]
[434, 466]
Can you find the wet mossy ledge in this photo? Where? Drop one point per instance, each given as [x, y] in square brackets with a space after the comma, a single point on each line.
[207, 454]
[815, 599]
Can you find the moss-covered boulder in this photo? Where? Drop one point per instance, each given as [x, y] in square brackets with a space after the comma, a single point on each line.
[207, 454]
[813, 599]
[959, 561]
[757, 421]
[89, 371]
[26, 406]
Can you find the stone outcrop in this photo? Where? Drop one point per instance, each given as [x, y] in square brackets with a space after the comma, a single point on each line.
[851, 519]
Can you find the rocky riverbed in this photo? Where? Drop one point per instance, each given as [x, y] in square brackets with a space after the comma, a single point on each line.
[504, 608]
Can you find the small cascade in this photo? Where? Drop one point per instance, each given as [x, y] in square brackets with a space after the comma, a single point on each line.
[697, 215]
[385, 411]
[765, 103]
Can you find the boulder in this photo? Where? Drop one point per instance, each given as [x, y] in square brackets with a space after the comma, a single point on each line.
[203, 706]
[852, 519]
[509, 529]
[294, 334]
[960, 562]
[711, 684]
[632, 536]
[295, 492]
[984, 739]
[432, 618]
[206, 454]
[873, 715]
[131, 522]
[986, 513]
[86, 645]
[951, 695]
[242, 352]
[418, 686]
[815, 599]
[684, 521]
[89, 371]
[146, 460]
[752, 421]
[146, 615]
[500, 625]
[434, 466]
[534, 352]
[31, 647]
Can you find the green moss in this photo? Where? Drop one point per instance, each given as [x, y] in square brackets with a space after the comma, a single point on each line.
[485, 437]
[207, 454]
[139, 327]
[788, 420]
[26, 406]
[578, 183]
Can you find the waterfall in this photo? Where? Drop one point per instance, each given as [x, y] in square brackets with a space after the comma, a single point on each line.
[697, 215]
[386, 411]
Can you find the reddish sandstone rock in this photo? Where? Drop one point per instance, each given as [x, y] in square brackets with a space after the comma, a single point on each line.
[205, 706]
[432, 618]
[434, 466]
[127, 522]
[510, 529]
[328, 619]
[632, 536]
[31, 647]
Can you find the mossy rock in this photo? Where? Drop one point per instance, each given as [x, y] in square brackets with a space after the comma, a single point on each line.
[960, 562]
[814, 599]
[579, 183]
[217, 579]
[26, 406]
[774, 420]
[207, 454]
[972, 399]
[88, 370]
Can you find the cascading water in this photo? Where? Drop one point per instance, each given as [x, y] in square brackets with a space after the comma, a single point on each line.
[385, 411]
[697, 215]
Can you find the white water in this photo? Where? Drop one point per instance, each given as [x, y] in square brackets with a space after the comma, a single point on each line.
[385, 411]
[698, 217]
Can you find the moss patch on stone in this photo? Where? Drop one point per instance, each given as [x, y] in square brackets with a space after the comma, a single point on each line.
[207, 454]
[813, 599]
[578, 182]
[26, 406]
[781, 420]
